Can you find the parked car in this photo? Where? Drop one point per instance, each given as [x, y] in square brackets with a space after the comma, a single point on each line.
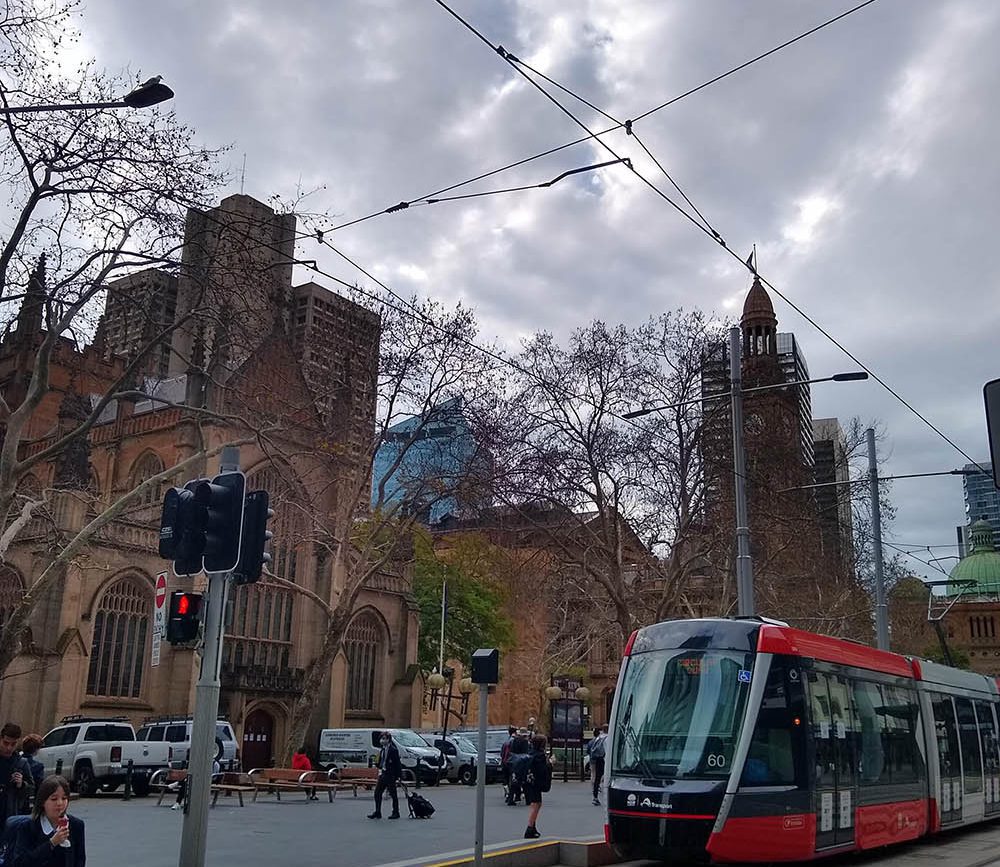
[175, 731]
[495, 739]
[462, 758]
[352, 748]
[94, 752]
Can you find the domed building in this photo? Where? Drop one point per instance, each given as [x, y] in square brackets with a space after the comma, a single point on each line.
[973, 622]
[979, 570]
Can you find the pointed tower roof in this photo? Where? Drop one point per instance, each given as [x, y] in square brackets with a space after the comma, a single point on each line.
[29, 317]
[758, 309]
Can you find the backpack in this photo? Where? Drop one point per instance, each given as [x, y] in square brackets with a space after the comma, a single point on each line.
[9, 833]
[597, 747]
[544, 779]
[420, 807]
[520, 766]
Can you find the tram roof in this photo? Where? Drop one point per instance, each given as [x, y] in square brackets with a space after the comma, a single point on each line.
[797, 642]
[933, 672]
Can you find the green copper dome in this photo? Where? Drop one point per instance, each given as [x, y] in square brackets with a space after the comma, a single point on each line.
[982, 564]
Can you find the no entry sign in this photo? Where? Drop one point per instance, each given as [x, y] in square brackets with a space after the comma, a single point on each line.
[159, 616]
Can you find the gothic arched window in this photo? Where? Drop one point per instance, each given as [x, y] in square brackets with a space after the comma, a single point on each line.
[11, 591]
[365, 651]
[145, 468]
[118, 651]
[260, 622]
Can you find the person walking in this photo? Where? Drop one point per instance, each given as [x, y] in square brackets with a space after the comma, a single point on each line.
[16, 782]
[538, 780]
[597, 750]
[29, 749]
[505, 762]
[390, 771]
[301, 762]
[49, 838]
[520, 747]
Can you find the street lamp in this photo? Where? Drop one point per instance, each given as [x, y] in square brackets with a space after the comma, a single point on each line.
[744, 564]
[436, 681]
[151, 92]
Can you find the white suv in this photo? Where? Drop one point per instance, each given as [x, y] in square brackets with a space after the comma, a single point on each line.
[176, 731]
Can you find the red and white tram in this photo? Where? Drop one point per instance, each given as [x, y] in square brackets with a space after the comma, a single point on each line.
[747, 740]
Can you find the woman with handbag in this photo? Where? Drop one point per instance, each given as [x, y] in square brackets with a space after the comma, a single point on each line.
[539, 780]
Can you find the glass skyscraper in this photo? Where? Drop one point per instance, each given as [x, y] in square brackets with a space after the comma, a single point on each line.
[982, 499]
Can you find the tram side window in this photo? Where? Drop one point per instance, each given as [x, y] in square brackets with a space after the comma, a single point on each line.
[901, 713]
[968, 738]
[988, 738]
[867, 704]
[776, 756]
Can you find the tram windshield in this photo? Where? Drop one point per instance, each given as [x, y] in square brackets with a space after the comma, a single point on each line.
[679, 713]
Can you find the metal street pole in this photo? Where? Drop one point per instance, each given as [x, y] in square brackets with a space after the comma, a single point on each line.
[881, 609]
[744, 565]
[194, 835]
[484, 694]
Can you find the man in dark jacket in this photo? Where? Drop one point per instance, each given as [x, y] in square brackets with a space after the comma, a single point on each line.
[390, 771]
[16, 783]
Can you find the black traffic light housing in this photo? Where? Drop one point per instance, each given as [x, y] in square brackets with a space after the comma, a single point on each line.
[182, 529]
[183, 617]
[253, 555]
[222, 499]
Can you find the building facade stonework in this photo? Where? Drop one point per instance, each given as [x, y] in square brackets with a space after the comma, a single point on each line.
[88, 649]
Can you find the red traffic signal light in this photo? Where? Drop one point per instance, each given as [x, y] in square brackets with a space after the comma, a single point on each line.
[184, 617]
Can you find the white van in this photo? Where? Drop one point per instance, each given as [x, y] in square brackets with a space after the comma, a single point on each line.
[359, 748]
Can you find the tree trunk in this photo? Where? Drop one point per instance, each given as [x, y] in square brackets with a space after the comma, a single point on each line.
[316, 672]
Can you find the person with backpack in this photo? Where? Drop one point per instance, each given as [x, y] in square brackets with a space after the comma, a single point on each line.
[537, 779]
[517, 763]
[17, 785]
[597, 750]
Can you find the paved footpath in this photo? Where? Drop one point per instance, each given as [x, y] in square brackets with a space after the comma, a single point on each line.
[123, 834]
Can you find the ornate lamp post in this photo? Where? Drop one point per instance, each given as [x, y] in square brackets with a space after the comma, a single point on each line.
[437, 681]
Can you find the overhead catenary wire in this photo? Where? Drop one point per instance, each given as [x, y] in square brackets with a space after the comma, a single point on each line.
[617, 125]
[708, 230]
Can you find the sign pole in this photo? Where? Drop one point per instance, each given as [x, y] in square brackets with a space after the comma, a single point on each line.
[159, 617]
[484, 695]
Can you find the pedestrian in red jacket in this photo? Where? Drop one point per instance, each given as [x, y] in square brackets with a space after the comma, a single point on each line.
[300, 762]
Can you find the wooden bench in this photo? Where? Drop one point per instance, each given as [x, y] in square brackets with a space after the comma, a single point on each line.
[278, 780]
[163, 779]
[231, 784]
[352, 779]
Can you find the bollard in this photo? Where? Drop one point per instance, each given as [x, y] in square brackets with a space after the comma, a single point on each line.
[59, 767]
[127, 795]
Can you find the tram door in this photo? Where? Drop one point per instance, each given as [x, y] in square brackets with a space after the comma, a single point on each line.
[949, 761]
[833, 734]
[991, 756]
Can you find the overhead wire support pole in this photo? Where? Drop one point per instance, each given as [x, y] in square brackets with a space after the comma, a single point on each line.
[744, 564]
[881, 609]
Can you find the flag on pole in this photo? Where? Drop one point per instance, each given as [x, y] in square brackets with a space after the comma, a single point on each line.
[751, 263]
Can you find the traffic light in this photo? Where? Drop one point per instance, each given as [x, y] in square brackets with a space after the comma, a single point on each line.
[182, 529]
[253, 556]
[184, 617]
[222, 499]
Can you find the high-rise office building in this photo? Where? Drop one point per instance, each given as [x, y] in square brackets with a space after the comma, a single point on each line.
[982, 502]
[833, 502]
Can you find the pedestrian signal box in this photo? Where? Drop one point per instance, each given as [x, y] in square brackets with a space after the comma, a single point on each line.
[184, 617]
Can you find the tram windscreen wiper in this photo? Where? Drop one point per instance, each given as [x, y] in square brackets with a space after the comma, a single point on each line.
[625, 728]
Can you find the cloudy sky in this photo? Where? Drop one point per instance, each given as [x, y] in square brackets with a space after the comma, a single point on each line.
[862, 162]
